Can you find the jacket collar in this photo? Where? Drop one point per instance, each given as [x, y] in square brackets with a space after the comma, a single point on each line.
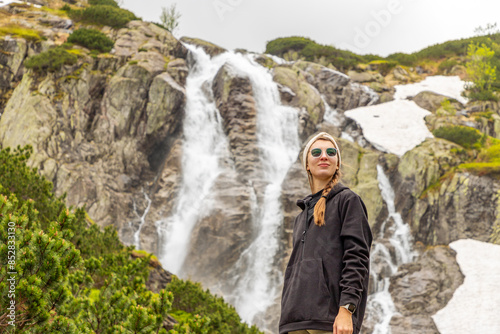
[302, 203]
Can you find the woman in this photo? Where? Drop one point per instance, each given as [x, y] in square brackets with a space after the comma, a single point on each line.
[326, 280]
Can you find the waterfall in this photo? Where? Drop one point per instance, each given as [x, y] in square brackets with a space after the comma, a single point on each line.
[256, 278]
[394, 235]
[142, 218]
[203, 146]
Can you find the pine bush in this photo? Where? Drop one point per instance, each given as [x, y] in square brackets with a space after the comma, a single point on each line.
[103, 14]
[51, 60]
[91, 39]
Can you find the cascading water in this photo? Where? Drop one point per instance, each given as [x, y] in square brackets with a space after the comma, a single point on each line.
[137, 242]
[397, 237]
[204, 144]
[256, 280]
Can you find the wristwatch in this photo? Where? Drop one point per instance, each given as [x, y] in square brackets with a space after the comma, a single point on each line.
[349, 307]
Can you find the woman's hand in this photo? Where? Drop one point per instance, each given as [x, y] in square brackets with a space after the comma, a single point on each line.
[343, 322]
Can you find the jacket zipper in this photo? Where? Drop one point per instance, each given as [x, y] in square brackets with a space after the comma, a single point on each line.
[304, 233]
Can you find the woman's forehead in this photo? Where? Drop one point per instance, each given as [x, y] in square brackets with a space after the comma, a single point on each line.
[322, 143]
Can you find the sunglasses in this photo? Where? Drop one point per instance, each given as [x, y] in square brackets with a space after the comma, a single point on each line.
[331, 152]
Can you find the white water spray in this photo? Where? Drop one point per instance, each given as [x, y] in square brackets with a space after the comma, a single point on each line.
[259, 279]
[204, 143]
[380, 303]
[137, 241]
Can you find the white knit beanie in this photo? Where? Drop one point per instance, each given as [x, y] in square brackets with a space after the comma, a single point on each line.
[321, 135]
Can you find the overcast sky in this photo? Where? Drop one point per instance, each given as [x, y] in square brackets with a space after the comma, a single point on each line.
[364, 26]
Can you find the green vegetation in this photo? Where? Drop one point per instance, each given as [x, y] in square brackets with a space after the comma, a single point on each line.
[104, 15]
[72, 277]
[481, 72]
[444, 50]
[462, 135]
[309, 50]
[383, 66]
[51, 60]
[103, 3]
[488, 159]
[447, 65]
[495, 235]
[170, 17]
[91, 39]
[18, 31]
[446, 108]
[193, 299]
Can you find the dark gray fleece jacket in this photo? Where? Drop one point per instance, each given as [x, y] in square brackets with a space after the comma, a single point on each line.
[329, 265]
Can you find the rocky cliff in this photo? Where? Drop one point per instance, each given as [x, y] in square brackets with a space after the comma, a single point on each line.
[108, 132]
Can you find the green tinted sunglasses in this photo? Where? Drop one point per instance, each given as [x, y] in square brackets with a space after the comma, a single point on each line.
[331, 152]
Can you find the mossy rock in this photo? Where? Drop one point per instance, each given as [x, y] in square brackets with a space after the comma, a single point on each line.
[432, 101]
[305, 95]
[427, 163]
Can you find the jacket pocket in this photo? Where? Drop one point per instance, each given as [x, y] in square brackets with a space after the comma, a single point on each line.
[305, 293]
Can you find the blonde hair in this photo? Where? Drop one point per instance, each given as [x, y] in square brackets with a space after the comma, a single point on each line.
[320, 207]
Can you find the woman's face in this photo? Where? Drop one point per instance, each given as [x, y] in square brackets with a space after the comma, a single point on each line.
[324, 166]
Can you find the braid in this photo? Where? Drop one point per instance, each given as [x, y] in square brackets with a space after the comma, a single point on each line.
[319, 208]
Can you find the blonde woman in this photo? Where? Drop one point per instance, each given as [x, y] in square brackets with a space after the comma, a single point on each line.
[326, 279]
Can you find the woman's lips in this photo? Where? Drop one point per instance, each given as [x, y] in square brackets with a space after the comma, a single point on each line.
[323, 165]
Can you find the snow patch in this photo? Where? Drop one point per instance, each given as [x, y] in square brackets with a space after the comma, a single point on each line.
[451, 86]
[475, 304]
[394, 127]
[8, 2]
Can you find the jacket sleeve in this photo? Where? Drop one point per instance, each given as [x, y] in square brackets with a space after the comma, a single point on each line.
[356, 237]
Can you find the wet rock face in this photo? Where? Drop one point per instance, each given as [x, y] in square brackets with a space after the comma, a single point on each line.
[234, 99]
[464, 207]
[101, 129]
[442, 209]
[340, 93]
[422, 288]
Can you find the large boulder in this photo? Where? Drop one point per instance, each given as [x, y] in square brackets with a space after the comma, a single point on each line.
[303, 96]
[432, 101]
[338, 90]
[429, 195]
[423, 287]
[461, 206]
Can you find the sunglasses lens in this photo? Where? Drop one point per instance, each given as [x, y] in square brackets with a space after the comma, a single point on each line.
[316, 152]
[331, 152]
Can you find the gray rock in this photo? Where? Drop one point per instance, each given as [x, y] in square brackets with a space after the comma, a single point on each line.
[433, 101]
[422, 288]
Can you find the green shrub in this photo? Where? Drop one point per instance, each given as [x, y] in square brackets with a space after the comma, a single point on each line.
[51, 60]
[403, 58]
[105, 15]
[311, 51]
[103, 3]
[461, 135]
[18, 179]
[39, 264]
[91, 39]
[190, 297]
[482, 168]
[447, 65]
[384, 66]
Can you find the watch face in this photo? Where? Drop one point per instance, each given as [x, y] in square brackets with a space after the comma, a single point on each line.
[351, 307]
